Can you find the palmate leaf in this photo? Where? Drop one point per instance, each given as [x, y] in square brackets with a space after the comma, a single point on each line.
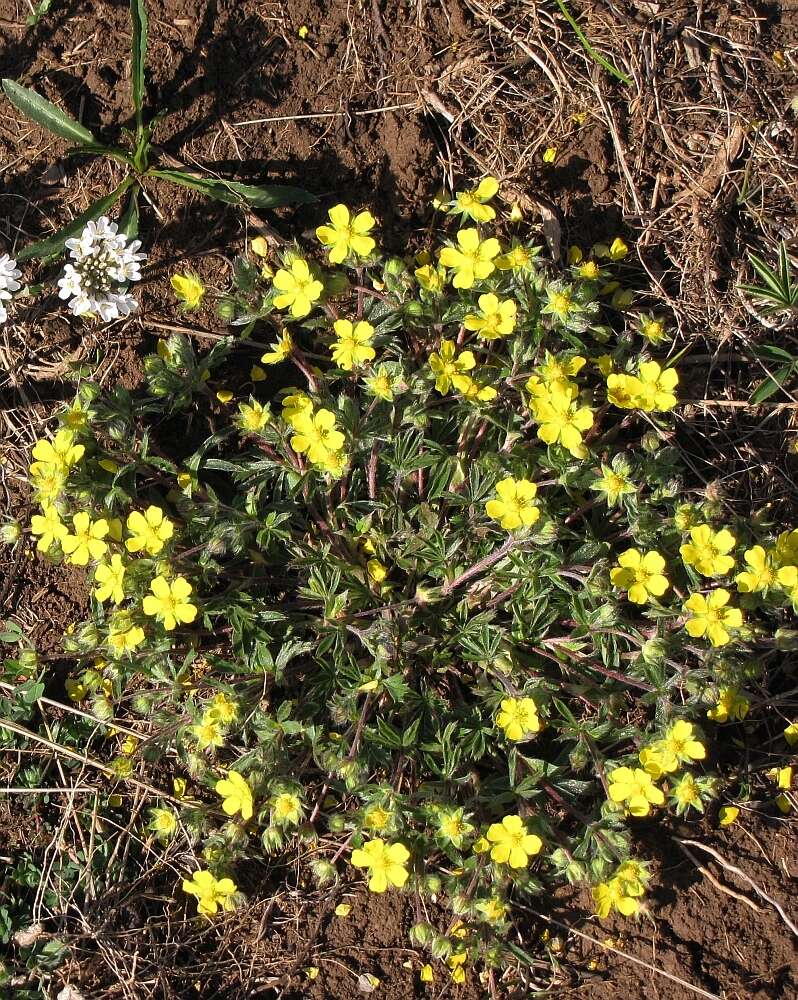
[234, 193]
[140, 23]
[47, 114]
[54, 244]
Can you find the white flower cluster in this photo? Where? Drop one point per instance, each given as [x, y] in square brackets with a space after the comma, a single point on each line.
[8, 283]
[103, 263]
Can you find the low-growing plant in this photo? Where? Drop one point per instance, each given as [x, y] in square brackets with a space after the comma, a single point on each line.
[439, 612]
[135, 152]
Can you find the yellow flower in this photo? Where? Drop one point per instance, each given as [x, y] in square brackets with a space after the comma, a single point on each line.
[163, 823]
[385, 863]
[518, 718]
[727, 815]
[787, 548]
[657, 760]
[613, 895]
[286, 809]
[686, 793]
[494, 910]
[791, 734]
[110, 578]
[711, 617]
[473, 391]
[655, 387]
[730, 705]
[426, 975]
[634, 787]
[496, 319]
[376, 818]
[208, 733]
[257, 374]
[149, 531]
[515, 505]
[512, 842]
[237, 795]
[640, 574]
[347, 235]
[316, 434]
[454, 826]
[381, 384]
[253, 416]
[353, 344]
[613, 485]
[562, 421]
[87, 541]
[473, 261]
[280, 349]
[169, 602]
[431, 278]
[782, 776]
[295, 403]
[761, 574]
[222, 709]
[517, 258]
[123, 636]
[210, 892]
[787, 577]
[473, 203]
[708, 550]
[653, 329]
[48, 527]
[623, 390]
[298, 289]
[189, 289]
[224, 395]
[455, 963]
[260, 247]
[680, 740]
[559, 302]
[61, 452]
[447, 364]
[376, 570]
[550, 154]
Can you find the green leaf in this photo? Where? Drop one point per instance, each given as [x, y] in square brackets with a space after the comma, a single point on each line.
[55, 244]
[771, 385]
[129, 223]
[46, 114]
[138, 17]
[234, 193]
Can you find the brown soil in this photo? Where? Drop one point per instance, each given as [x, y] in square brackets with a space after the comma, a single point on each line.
[222, 67]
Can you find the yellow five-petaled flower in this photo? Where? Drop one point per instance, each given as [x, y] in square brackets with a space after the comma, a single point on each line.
[640, 574]
[513, 844]
[347, 235]
[169, 602]
[515, 505]
[385, 862]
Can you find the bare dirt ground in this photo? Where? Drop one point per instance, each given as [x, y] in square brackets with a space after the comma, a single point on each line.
[693, 161]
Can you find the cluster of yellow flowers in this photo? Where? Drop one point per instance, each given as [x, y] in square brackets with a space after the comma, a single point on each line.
[554, 402]
[635, 788]
[316, 433]
[622, 892]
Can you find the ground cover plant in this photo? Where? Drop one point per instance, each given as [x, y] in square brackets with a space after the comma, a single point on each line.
[400, 598]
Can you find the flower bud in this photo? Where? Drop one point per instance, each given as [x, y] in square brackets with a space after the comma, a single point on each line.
[29, 659]
[10, 532]
[102, 708]
[440, 946]
[422, 933]
[226, 309]
[272, 839]
[324, 873]
[336, 823]
[653, 651]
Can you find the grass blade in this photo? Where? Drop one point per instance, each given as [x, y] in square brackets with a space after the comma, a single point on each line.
[234, 193]
[595, 56]
[54, 244]
[140, 23]
[47, 114]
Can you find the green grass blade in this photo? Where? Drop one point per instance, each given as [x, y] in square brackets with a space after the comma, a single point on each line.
[595, 56]
[129, 222]
[234, 193]
[54, 244]
[140, 23]
[46, 114]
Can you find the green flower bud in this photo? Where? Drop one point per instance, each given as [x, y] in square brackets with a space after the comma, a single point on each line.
[102, 708]
[29, 659]
[421, 934]
[272, 839]
[324, 873]
[10, 532]
[653, 651]
[336, 823]
[413, 308]
[440, 946]
[226, 309]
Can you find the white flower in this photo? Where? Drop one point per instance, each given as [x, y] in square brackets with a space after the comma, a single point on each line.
[8, 283]
[103, 263]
